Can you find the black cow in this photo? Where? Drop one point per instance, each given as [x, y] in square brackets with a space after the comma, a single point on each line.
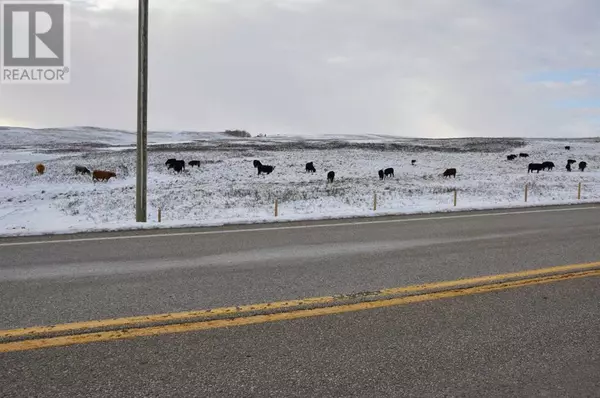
[523, 155]
[534, 167]
[170, 161]
[380, 172]
[193, 163]
[568, 148]
[450, 173]
[177, 165]
[413, 162]
[256, 164]
[389, 172]
[330, 176]
[568, 166]
[571, 161]
[511, 157]
[310, 168]
[82, 170]
[582, 166]
[263, 168]
[547, 165]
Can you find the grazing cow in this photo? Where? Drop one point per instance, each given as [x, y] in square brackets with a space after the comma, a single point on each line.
[263, 168]
[523, 155]
[547, 165]
[82, 170]
[534, 167]
[569, 166]
[389, 172]
[568, 148]
[310, 168]
[256, 164]
[511, 157]
[40, 168]
[100, 175]
[413, 162]
[177, 165]
[169, 161]
[582, 166]
[330, 176]
[193, 163]
[450, 173]
[380, 172]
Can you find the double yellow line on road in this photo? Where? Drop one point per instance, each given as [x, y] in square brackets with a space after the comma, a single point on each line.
[152, 325]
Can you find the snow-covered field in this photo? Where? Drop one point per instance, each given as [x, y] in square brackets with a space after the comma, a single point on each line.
[226, 189]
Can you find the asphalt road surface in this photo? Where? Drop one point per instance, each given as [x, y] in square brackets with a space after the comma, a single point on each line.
[538, 340]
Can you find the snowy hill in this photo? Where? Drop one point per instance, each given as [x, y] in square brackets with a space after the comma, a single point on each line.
[17, 137]
[227, 189]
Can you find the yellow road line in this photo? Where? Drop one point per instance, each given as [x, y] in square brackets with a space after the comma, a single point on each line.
[280, 305]
[295, 314]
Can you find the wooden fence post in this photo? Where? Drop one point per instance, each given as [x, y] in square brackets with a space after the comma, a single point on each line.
[374, 201]
[579, 191]
[455, 198]
[526, 189]
[276, 208]
[159, 215]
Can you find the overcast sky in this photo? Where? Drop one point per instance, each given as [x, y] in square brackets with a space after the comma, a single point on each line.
[434, 68]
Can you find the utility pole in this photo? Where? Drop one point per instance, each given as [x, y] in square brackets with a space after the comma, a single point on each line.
[142, 114]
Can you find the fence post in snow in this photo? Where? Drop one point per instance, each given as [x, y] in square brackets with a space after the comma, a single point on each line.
[276, 208]
[374, 201]
[455, 198]
[579, 191]
[159, 215]
[526, 188]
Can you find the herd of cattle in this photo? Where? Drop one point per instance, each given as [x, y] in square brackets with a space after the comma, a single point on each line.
[179, 165]
[97, 175]
[547, 165]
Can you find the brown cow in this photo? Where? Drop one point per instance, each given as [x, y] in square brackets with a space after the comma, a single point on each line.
[99, 175]
[40, 168]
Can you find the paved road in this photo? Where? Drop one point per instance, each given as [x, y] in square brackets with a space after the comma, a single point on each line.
[538, 341]
[96, 276]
